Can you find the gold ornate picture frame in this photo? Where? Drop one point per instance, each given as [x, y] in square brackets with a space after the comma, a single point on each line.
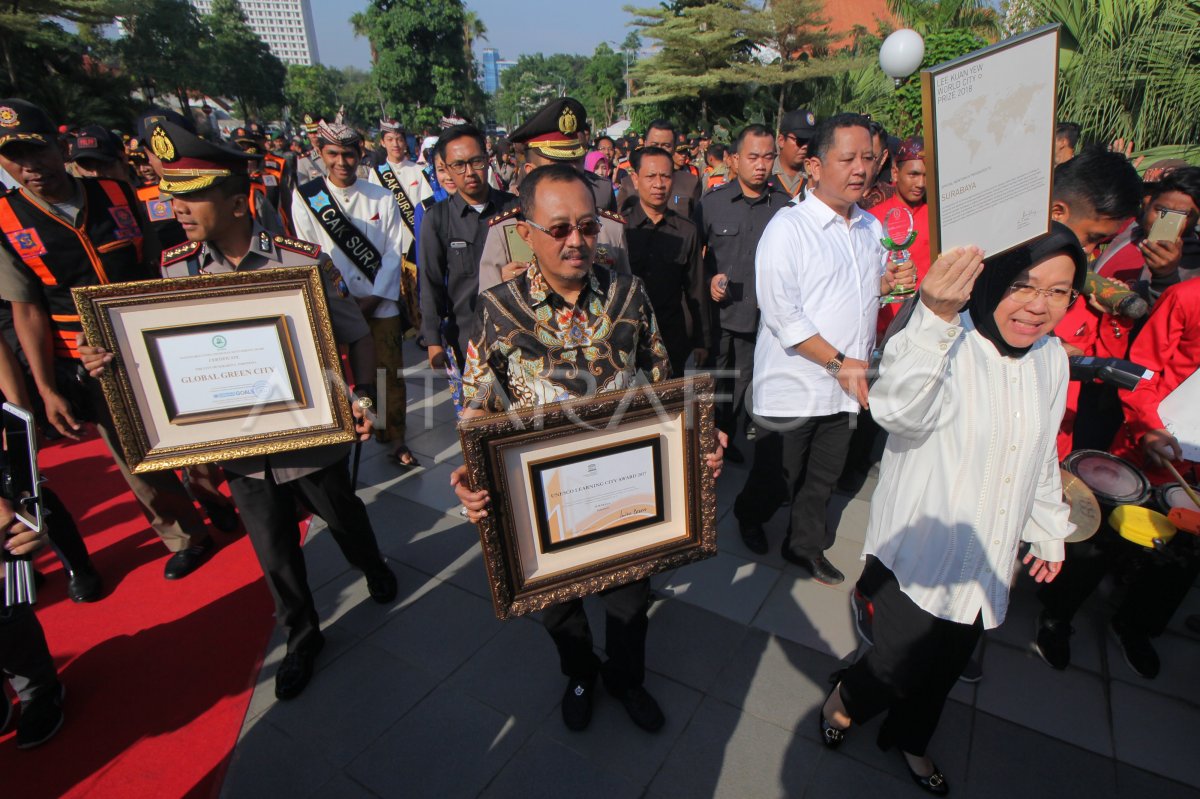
[218, 367]
[593, 493]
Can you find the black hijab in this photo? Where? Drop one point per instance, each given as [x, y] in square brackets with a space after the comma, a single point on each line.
[1000, 272]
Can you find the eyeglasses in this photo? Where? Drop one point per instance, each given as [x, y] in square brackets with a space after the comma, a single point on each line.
[1056, 298]
[558, 232]
[477, 164]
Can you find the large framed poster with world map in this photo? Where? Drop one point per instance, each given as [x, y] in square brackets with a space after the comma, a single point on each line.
[989, 130]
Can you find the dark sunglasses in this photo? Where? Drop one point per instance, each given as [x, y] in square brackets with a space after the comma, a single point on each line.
[558, 232]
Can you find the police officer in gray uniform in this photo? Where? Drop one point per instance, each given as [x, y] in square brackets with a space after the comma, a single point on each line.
[208, 184]
[550, 137]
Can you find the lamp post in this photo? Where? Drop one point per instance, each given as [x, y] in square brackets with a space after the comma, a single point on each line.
[624, 51]
[901, 54]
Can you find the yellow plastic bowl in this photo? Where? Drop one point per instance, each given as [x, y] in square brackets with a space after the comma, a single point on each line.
[1141, 525]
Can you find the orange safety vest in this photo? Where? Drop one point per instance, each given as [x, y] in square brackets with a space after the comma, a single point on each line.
[106, 247]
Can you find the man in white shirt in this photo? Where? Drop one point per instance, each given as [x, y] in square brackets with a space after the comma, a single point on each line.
[359, 225]
[819, 273]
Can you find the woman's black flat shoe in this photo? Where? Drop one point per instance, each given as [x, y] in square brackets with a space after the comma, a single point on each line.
[831, 736]
[935, 783]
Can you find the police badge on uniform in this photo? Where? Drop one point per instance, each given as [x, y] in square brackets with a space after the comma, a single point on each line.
[160, 210]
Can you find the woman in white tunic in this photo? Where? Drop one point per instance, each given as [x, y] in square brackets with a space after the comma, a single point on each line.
[971, 398]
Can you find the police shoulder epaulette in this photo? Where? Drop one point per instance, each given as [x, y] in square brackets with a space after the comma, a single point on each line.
[509, 214]
[613, 215]
[296, 245]
[180, 251]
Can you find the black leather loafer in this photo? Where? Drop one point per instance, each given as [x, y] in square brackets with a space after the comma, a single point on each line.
[186, 561]
[84, 585]
[296, 670]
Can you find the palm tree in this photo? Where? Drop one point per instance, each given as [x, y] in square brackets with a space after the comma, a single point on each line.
[932, 16]
[1129, 69]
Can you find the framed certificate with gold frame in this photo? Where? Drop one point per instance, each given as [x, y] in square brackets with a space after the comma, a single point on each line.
[204, 373]
[593, 493]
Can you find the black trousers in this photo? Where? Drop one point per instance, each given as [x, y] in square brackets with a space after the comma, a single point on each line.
[735, 359]
[624, 636]
[63, 534]
[1156, 584]
[24, 656]
[811, 454]
[911, 667]
[268, 511]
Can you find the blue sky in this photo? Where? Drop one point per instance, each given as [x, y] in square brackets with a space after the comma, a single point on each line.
[514, 27]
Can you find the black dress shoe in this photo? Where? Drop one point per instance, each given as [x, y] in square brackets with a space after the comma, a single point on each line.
[41, 718]
[577, 703]
[84, 585]
[223, 516]
[734, 455]
[1052, 641]
[831, 736]
[381, 583]
[296, 670]
[935, 783]
[186, 561]
[753, 536]
[821, 569]
[642, 708]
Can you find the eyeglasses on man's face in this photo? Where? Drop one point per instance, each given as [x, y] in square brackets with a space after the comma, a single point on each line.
[559, 231]
[477, 164]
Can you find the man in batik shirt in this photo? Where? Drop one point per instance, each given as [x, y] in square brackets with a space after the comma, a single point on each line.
[564, 329]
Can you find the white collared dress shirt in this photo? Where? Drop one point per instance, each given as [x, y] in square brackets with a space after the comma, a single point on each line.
[971, 465]
[374, 212]
[816, 273]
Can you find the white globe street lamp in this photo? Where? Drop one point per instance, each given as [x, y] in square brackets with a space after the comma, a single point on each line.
[901, 54]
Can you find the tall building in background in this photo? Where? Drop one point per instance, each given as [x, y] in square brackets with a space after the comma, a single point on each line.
[285, 25]
[493, 67]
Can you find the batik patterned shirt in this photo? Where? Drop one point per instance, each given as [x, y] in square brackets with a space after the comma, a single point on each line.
[534, 347]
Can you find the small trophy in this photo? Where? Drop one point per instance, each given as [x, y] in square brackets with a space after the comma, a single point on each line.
[899, 234]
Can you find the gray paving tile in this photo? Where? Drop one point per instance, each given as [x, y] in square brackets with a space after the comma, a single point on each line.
[342, 787]
[612, 738]
[1009, 761]
[950, 746]
[437, 445]
[425, 539]
[347, 707]
[809, 613]
[345, 606]
[449, 745]
[1020, 623]
[727, 753]
[322, 558]
[839, 777]
[1134, 782]
[516, 672]
[1179, 656]
[1069, 705]
[690, 644]
[545, 768]
[777, 680]
[848, 516]
[440, 630]
[726, 584]
[428, 485]
[1155, 733]
[267, 762]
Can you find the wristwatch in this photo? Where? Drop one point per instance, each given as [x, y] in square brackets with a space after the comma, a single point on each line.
[835, 365]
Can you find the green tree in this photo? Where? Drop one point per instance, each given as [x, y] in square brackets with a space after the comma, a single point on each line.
[534, 81]
[1128, 69]
[159, 49]
[603, 85]
[419, 58]
[315, 89]
[901, 110]
[34, 23]
[935, 16]
[242, 66]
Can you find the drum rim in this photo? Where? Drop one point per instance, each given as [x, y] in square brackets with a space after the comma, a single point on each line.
[1103, 496]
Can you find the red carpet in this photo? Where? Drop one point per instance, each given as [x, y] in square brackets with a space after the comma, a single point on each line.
[158, 674]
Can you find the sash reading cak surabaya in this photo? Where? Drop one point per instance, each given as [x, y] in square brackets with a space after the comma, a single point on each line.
[349, 239]
[408, 268]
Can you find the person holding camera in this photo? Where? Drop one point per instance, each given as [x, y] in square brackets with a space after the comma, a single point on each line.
[25, 658]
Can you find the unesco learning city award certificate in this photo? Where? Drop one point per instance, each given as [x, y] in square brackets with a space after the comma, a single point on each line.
[600, 493]
[989, 128]
[217, 370]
